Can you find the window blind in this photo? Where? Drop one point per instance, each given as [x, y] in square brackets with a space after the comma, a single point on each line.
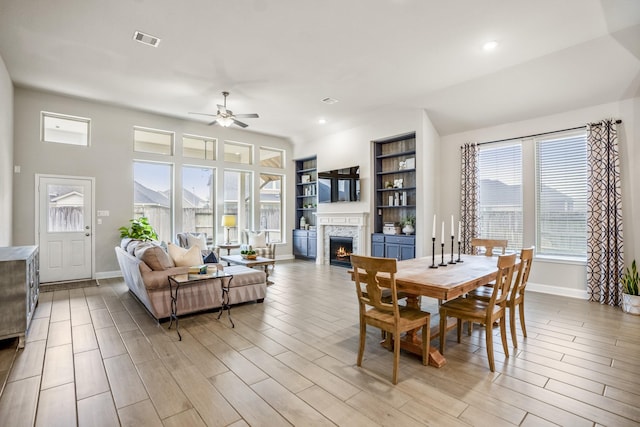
[561, 196]
[500, 196]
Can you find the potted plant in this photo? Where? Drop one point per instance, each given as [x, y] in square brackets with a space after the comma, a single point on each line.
[140, 229]
[409, 223]
[630, 282]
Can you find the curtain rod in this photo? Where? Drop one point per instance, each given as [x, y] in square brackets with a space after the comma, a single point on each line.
[541, 134]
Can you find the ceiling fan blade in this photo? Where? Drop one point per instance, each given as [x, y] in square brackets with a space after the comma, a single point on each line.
[239, 123]
[222, 109]
[212, 123]
[204, 114]
[248, 116]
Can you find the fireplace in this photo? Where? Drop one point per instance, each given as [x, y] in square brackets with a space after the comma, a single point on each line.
[340, 249]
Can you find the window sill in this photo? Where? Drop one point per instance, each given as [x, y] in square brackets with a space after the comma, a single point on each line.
[555, 259]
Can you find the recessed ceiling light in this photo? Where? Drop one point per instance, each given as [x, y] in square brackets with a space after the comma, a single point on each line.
[329, 100]
[322, 121]
[147, 39]
[490, 45]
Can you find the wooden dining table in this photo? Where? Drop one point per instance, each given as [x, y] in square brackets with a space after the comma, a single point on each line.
[416, 278]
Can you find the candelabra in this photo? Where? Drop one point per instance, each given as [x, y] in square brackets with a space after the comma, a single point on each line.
[433, 253]
[459, 260]
[452, 261]
[442, 263]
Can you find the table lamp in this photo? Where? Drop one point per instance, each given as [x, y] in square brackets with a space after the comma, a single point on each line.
[228, 221]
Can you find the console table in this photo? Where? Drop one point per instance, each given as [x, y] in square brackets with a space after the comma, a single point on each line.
[179, 280]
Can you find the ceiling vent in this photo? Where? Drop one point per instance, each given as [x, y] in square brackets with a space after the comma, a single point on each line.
[146, 39]
[329, 101]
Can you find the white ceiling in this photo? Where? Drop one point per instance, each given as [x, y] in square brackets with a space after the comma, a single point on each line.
[279, 58]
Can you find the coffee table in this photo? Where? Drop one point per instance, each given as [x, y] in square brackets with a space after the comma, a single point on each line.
[258, 262]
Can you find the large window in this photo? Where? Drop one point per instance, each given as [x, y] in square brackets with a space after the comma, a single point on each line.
[561, 196]
[238, 200]
[152, 196]
[271, 206]
[197, 200]
[500, 202]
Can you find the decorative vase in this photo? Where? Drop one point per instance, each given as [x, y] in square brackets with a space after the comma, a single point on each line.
[631, 304]
[408, 229]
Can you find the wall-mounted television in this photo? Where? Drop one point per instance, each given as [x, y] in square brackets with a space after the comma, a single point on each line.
[339, 185]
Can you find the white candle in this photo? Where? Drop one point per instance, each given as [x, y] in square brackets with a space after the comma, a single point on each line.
[442, 241]
[433, 235]
[451, 225]
[459, 230]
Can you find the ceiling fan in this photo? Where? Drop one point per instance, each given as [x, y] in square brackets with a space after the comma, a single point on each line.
[226, 118]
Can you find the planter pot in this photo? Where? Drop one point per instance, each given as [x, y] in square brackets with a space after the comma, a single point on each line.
[631, 304]
[408, 229]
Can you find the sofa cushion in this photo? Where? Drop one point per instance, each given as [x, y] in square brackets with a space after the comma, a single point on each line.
[185, 257]
[154, 256]
[257, 240]
[200, 241]
[243, 276]
[160, 279]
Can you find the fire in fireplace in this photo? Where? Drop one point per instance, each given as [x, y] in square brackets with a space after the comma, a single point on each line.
[340, 249]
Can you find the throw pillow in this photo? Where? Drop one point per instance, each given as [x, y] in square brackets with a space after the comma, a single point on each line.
[155, 257]
[211, 258]
[199, 241]
[185, 257]
[258, 240]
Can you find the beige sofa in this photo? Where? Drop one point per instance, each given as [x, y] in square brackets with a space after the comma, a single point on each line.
[148, 280]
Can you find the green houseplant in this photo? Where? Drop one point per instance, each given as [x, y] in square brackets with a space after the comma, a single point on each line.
[408, 223]
[140, 229]
[630, 281]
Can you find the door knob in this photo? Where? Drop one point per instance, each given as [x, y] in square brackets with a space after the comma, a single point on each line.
[87, 234]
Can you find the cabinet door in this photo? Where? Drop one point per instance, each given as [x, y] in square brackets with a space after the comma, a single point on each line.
[377, 249]
[299, 245]
[312, 249]
[393, 250]
[407, 252]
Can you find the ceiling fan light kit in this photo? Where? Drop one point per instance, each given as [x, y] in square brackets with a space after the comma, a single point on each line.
[226, 118]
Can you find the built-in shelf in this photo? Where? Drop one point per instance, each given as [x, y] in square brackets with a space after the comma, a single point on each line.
[395, 195]
[304, 240]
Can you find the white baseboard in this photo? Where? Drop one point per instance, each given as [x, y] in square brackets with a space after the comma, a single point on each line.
[108, 274]
[557, 290]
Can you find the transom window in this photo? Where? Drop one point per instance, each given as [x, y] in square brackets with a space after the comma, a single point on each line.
[64, 129]
[152, 141]
[199, 147]
[271, 158]
[238, 152]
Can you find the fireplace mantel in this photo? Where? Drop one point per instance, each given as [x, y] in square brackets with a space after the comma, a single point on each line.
[336, 220]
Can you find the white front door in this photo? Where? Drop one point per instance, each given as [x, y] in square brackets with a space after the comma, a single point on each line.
[65, 228]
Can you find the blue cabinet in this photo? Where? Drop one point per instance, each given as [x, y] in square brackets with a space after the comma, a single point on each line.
[396, 246]
[304, 244]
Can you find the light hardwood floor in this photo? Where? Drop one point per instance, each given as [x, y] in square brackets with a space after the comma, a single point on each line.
[94, 357]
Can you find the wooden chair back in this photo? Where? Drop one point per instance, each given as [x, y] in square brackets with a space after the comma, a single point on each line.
[526, 260]
[504, 280]
[365, 271]
[489, 245]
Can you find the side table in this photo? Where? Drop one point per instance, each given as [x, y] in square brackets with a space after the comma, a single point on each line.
[180, 280]
[229, 246]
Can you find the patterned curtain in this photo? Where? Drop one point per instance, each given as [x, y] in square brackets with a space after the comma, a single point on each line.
[604, 215]
[469, 188]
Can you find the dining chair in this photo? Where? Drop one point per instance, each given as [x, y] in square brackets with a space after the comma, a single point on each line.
[389, 317]
[489, 245]
[484, 312]
[516, 296]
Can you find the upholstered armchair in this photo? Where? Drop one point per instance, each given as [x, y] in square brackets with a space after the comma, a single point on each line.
[187, 240]
[259, 242]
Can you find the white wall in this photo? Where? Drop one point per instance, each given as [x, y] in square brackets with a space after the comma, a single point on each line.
[353, 146]
[6, 155]
[565, 278]
[109, 159]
